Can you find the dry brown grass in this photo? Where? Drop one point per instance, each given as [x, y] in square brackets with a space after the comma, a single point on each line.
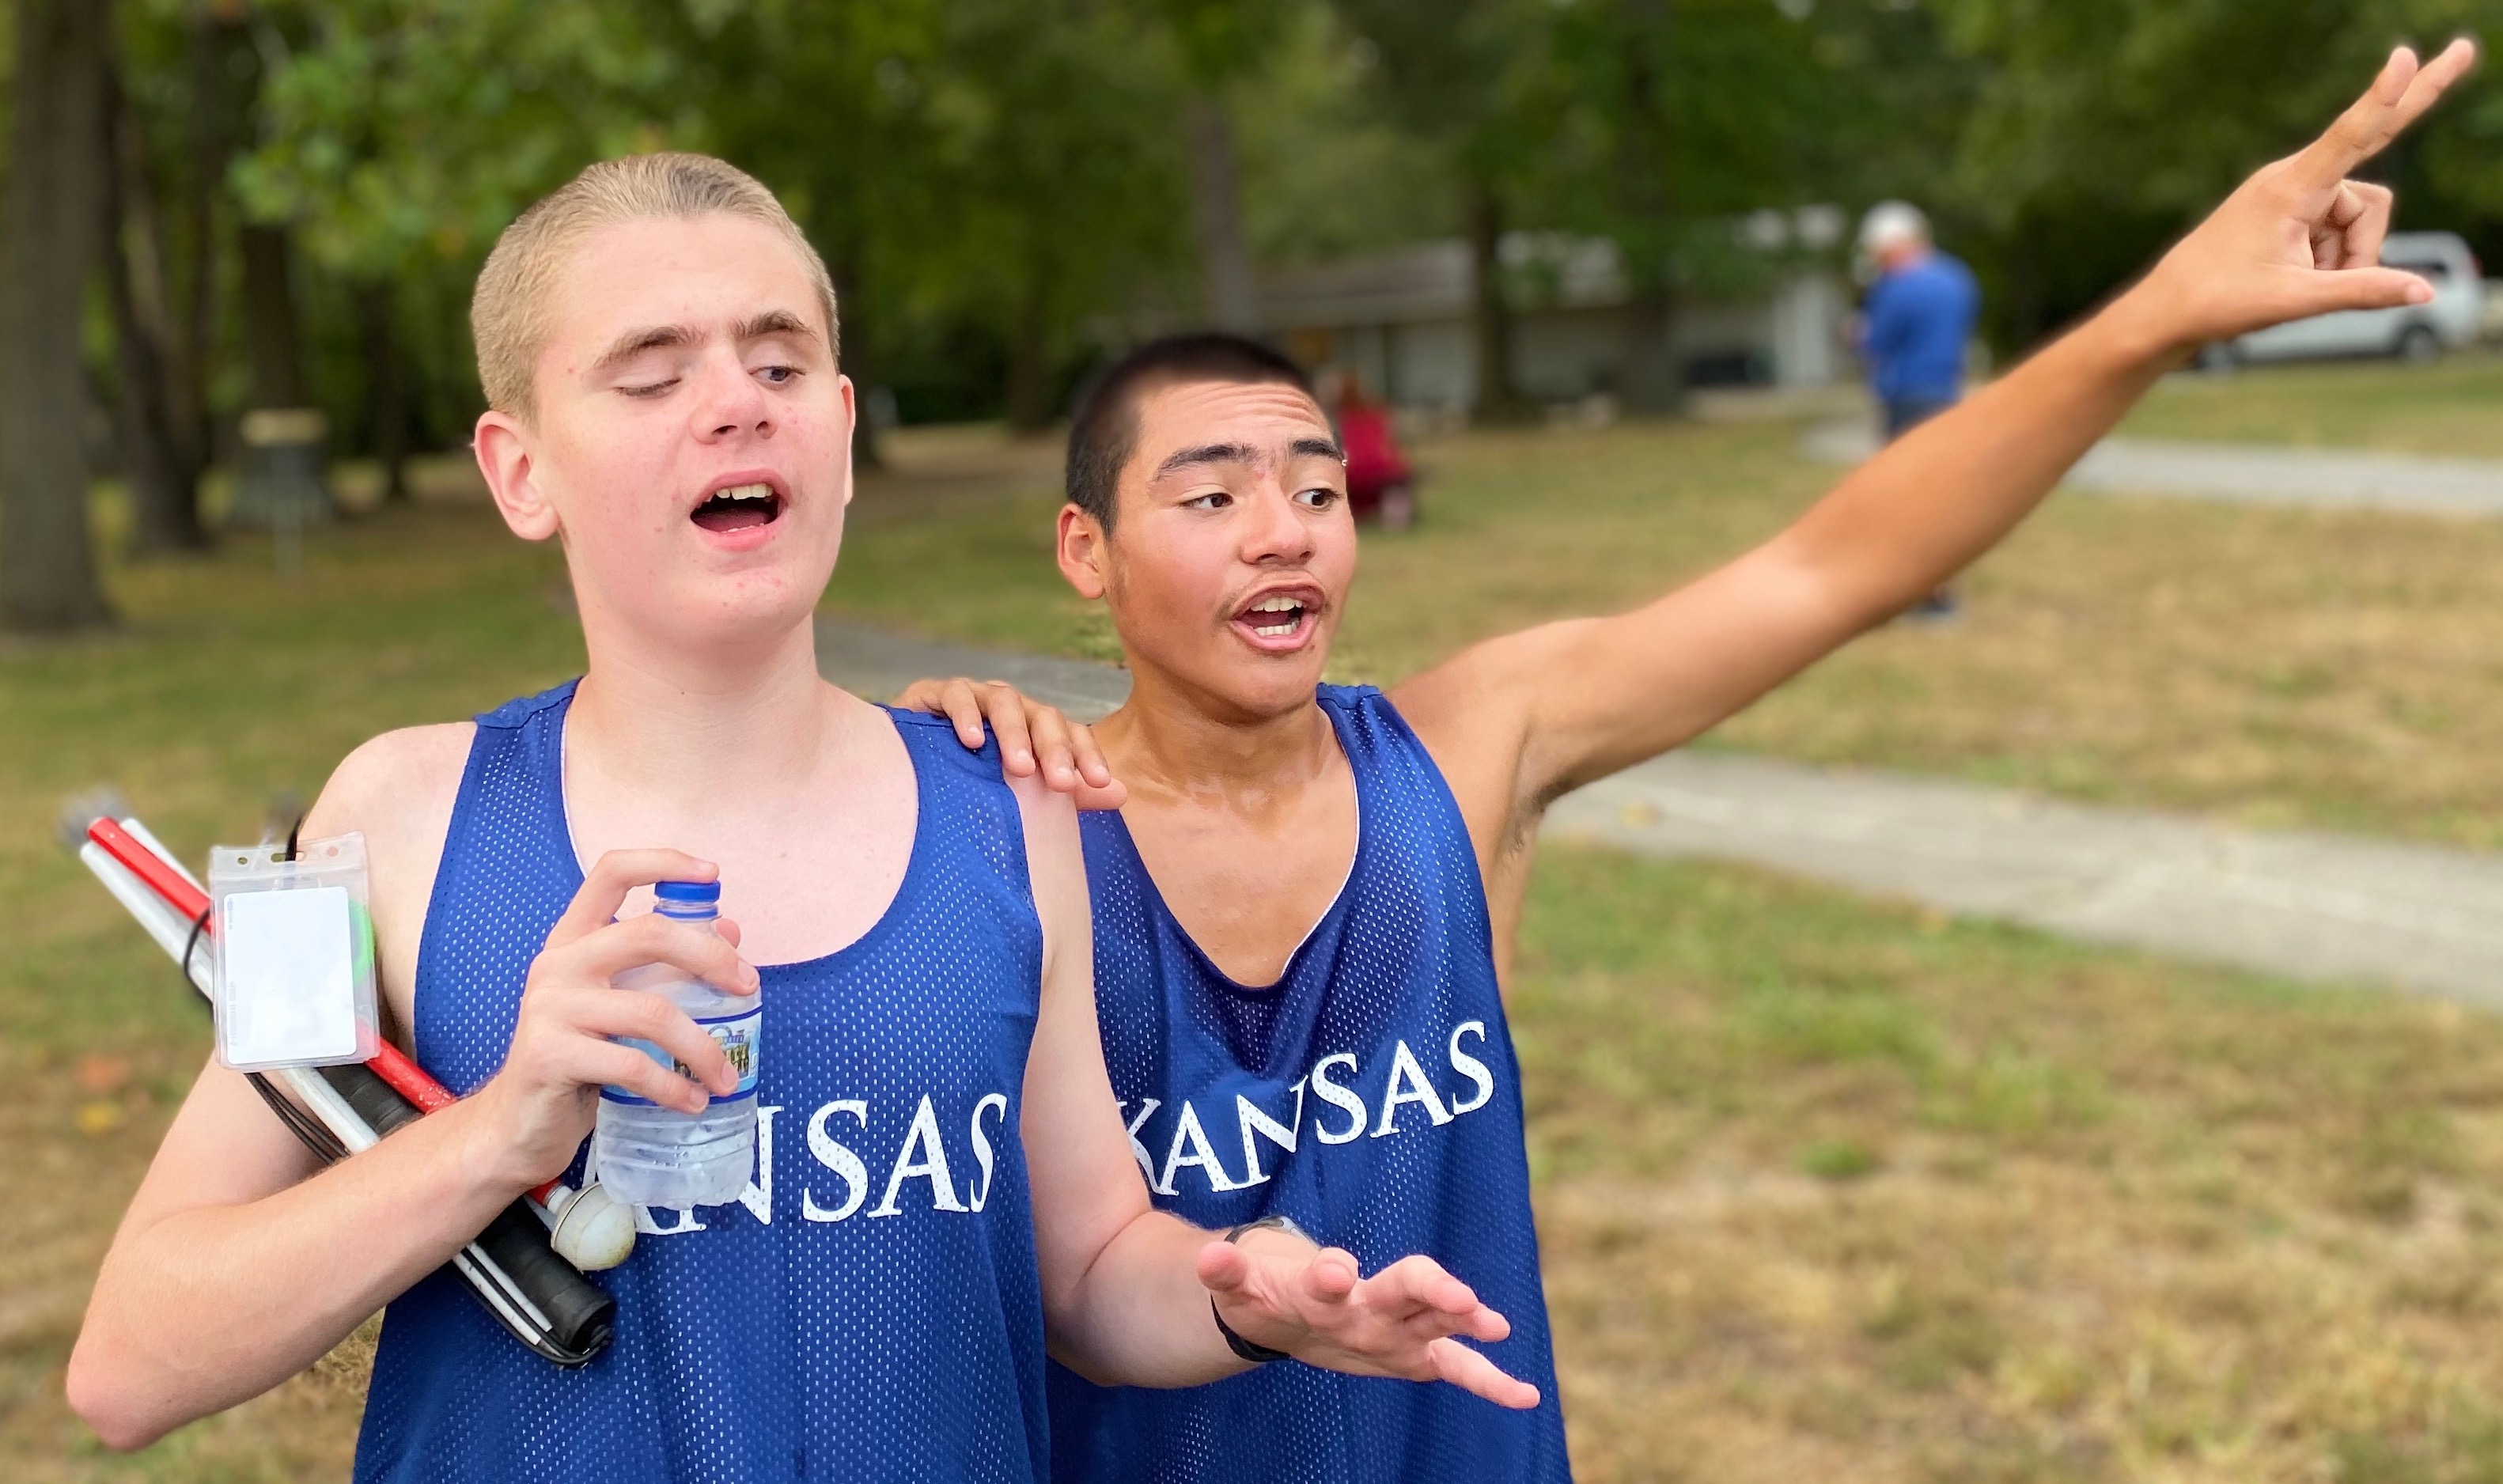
[2449, 408]
[1839, 1191]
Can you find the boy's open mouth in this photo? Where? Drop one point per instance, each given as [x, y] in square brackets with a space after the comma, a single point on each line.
[1278, 615]
[739, 507]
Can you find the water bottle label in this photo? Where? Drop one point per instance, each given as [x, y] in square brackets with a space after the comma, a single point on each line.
[738, 1035]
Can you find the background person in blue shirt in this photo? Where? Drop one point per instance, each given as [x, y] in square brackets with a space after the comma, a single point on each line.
[1913, 330]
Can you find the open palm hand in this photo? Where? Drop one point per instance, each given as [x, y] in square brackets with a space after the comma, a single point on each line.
[1404, 1321]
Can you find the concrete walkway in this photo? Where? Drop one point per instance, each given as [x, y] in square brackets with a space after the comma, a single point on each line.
[2247, 473]
[2307, 906]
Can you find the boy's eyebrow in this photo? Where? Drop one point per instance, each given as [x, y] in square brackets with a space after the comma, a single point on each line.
[655, 338]
[634, 342]
[1244, 453]
[775, 322]
[1206, 453]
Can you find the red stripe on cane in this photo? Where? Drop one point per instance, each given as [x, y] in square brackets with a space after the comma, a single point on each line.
[391, 1065]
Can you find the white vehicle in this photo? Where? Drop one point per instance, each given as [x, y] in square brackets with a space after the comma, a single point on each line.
[2416, 334]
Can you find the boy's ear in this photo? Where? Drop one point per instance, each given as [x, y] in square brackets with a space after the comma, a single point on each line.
[504, 449]
[1081, 550]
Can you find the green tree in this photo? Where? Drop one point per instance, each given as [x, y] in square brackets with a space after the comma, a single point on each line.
[398, 137]
[1458, 73]
[1220, 43]
[2102, 129]
[856, 174]
[1058, 178]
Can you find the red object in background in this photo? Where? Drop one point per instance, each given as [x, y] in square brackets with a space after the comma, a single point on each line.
[1373, 463]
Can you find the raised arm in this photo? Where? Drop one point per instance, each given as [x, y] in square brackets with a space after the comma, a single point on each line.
[1131, 1295]
[1571, 702]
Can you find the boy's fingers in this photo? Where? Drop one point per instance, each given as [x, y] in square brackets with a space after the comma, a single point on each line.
[650, 1018]
[1009, 723]
[611, 876]
[2359, 219]
[2399, 96]
[1052, 748]
[2364, 289]
[1479, 1376]
[651, 939]
[2359, 133]
[963, 701]
[1224, 1268]
[1331, 1275]
[1091, 765]
[611, 1066]
[1422, 1283]
[1112, 795]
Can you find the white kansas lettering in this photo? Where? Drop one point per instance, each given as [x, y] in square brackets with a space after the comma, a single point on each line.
[1408, 1085]
[1256, 1123]
[1341, 1097]
[1470, 1067]
[1187, 1133]
[845, 1164]
[932, 1166]
[758, 1197]
[1138, 1150]
[982, 1142]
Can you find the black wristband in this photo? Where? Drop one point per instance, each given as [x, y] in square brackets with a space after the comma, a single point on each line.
[1258, 1355]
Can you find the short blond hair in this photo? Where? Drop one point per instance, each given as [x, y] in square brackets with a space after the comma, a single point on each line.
[509, 311]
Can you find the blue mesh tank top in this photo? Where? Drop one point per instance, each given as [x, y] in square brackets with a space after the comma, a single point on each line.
[871, 1308]
[1371, 1095]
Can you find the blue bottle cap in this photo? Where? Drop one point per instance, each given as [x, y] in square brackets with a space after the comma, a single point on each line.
[687, 892]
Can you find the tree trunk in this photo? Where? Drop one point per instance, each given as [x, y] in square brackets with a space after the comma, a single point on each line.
[1654, 379]
[1230, 295]
[868, 450]
[385, 386]
[273, 341]
[1030, 367]
[216, 34]
[1497, 401]
[163, 483]
[50, 212]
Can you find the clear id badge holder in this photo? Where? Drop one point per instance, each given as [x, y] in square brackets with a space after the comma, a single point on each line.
[295, 955]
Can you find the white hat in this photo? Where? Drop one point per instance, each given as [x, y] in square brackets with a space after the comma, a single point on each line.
[1892, 223]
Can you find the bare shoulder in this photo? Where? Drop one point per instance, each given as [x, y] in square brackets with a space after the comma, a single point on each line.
[1056, 861]
[397, 781]
[1051, 842]
[1473, 711]
[398, 791]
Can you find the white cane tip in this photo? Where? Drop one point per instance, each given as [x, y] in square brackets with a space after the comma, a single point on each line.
[596, 1231]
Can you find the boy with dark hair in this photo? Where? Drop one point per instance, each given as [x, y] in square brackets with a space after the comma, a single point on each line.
[1304, 909]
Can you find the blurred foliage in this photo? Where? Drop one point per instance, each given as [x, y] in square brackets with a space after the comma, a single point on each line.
[1003, 187]
[2100, 128]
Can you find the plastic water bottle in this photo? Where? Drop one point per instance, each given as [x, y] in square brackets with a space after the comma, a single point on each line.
[650, 1155]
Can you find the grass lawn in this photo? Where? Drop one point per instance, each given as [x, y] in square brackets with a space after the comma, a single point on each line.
[1827, 1190]
[2446, 408]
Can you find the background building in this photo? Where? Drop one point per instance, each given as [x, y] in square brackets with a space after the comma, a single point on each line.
[1402, 319]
